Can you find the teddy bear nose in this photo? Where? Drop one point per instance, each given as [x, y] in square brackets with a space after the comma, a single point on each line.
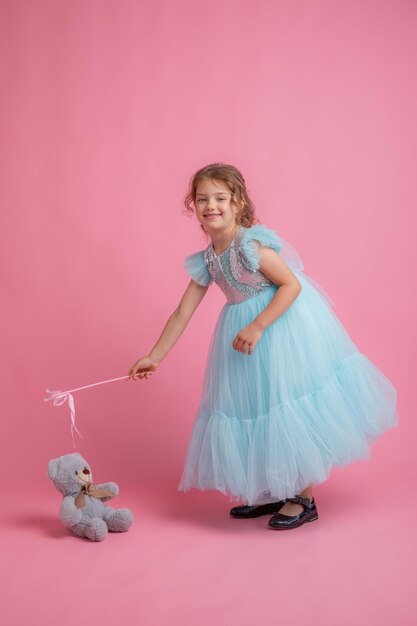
[86, 471]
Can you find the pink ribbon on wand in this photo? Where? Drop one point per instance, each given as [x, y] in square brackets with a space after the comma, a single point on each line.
[59, 397]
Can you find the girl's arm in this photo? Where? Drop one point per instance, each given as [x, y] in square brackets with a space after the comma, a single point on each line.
[271, 264]
[172, 331]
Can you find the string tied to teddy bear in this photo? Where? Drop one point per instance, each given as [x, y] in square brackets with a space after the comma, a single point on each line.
[59, 397]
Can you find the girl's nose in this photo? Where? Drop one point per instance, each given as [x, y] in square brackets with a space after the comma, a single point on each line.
[86, 471]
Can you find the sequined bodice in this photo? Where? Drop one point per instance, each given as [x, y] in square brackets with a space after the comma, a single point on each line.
[232, 271]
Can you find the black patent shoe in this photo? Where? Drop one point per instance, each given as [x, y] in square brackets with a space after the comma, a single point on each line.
[246, 511]
[279, 521]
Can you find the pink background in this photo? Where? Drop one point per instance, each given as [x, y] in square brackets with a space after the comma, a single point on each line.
[107, 110]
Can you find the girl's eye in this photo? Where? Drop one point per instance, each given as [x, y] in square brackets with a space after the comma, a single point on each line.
[218, 199]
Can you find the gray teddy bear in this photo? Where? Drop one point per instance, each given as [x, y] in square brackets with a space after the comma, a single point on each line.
[82, 507]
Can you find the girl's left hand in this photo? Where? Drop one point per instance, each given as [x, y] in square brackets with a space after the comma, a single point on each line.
[247, 338]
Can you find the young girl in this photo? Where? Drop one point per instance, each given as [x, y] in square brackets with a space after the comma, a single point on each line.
[286, 393]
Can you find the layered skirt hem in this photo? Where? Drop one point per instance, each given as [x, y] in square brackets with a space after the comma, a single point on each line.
[297, 443]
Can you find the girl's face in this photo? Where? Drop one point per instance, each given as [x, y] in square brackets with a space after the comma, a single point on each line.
[213, 205]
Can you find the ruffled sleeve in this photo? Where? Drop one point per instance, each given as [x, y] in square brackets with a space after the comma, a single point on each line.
[196, 268]
[259, 235]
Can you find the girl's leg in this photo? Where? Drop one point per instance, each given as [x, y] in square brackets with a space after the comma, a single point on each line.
[307, 492]
[292, 508]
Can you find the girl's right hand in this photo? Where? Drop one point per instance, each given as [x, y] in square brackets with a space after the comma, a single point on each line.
[143, 368]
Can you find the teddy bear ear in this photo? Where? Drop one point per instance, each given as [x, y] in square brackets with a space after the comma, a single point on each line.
[53, 468]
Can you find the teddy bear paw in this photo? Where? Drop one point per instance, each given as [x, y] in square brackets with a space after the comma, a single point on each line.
[96, 529]
[120, 520]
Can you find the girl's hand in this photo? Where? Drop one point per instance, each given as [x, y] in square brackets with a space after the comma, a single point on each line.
[247, 338]
[143, 368]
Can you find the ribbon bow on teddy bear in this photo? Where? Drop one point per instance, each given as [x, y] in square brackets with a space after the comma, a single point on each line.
[91, 490]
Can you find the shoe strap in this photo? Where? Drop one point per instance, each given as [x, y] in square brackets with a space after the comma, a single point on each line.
[299, 500]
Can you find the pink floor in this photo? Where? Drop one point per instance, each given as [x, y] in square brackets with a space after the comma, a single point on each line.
[185, 561]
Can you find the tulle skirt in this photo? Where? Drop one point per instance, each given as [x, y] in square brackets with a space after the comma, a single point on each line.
[273, 422]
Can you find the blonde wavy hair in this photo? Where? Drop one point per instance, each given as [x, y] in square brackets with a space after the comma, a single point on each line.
[234, 181]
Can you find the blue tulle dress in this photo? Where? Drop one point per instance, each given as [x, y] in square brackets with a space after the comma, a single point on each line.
[273, 422]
